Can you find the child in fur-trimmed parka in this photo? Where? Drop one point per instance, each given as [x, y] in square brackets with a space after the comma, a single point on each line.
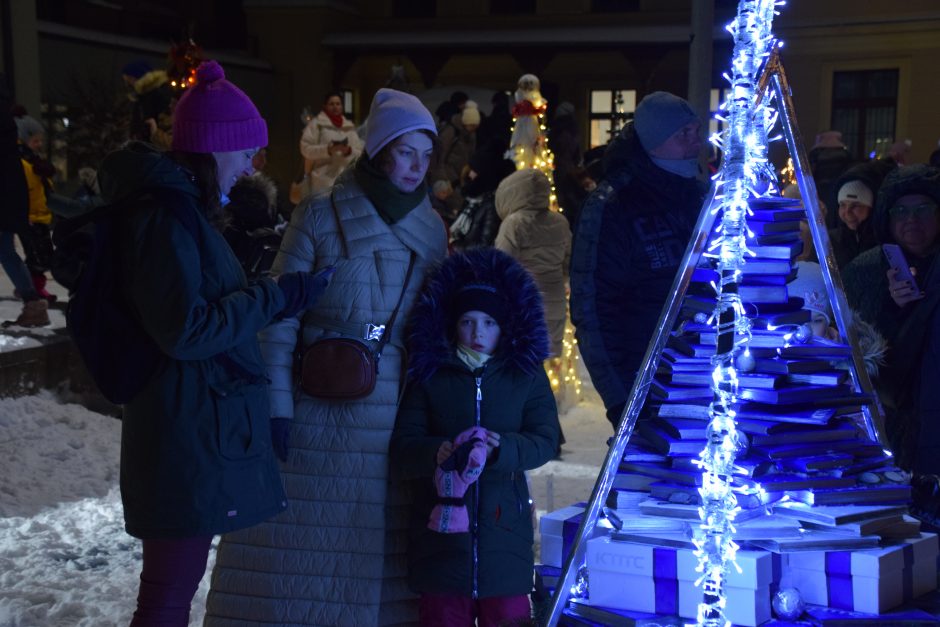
[477, 338]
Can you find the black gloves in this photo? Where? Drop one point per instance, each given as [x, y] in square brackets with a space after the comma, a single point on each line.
[302, 290]
[280, 437]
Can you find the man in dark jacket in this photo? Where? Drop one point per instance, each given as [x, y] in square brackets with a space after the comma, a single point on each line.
[630, 240]
[908, 315]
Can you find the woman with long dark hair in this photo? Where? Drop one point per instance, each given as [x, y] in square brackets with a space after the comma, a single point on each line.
[196, 455]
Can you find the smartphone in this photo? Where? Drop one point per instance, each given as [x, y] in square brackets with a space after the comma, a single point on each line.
[896, 260]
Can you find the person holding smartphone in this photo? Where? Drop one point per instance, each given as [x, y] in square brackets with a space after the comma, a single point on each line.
[896, 287]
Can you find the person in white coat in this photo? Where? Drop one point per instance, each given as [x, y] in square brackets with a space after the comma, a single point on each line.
[329, 143]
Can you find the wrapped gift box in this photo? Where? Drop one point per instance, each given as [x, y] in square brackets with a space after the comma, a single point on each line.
[748, 592]
[870, 581]
[629, 576]
[661, 580]
[558, 530]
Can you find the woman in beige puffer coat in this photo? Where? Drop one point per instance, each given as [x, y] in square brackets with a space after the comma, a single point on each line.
[539, 239]
[336, 556]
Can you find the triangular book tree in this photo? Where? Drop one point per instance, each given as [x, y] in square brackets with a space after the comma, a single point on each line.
[758, 475]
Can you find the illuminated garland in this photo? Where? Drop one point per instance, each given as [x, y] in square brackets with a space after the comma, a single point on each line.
[182, 63]
[745, 173]
[529, 149]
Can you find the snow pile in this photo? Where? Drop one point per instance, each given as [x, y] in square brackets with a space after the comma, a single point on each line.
[65, 559]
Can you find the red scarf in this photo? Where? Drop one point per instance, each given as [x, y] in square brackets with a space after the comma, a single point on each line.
[527, 108]
[337, 120]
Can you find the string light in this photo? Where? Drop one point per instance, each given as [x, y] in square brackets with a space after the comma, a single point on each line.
[529, 149]
[745, 172]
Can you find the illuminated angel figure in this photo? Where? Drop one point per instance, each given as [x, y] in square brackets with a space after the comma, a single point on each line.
[528, 137]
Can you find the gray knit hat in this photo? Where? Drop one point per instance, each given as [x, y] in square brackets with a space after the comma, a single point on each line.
[392, 114]
[27, 126]
[658, 116]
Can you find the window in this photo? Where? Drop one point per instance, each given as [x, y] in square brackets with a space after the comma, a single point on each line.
[347, 97]
[864, 108]
[609, 111]
[717, 97]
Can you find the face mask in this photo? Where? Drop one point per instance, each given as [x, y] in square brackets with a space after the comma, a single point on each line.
[686, 168]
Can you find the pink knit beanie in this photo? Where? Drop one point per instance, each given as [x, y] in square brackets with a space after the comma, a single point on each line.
[392, 114]
[216, 116]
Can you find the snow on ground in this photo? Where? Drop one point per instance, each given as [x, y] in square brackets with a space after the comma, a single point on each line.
[65, 560]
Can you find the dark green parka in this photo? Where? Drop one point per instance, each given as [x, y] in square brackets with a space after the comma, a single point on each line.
[510, 395]
[196, 455]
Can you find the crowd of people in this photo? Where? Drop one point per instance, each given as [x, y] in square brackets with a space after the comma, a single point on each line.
[352, 398]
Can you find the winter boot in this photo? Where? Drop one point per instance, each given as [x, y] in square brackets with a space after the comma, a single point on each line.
[39, 282]
[35, 314]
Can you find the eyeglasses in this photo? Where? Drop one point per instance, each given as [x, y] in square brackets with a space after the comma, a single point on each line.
[902, 212]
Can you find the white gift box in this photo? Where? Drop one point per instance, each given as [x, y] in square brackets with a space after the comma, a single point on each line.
[872, 581]
[748, 593]
[661, 580]
[558, 530]
[629, 576]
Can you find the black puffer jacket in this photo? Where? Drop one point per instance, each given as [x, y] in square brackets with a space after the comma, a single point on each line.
[909, 380]
[630, 240]
[846, 243]
[496, 557]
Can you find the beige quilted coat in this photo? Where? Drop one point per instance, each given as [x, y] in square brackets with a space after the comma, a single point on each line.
[336, 556]
[539, 239]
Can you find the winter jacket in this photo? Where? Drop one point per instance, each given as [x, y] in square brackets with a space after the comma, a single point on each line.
[495, 558]
[909, 379]
[314, 146]
[846, 243]
[13, 188]
[540, 240]
[250, 231]
[196, 455]
[151, 99]
[630, 240]
[336, 556]
[38, 207]
[457, 146]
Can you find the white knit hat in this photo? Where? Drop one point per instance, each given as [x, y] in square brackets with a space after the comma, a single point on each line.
[858, 191]
[392, 114]
[470, 114]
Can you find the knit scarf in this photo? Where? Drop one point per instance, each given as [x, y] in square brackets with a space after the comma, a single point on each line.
[337, 120]
[473, 359]
[390, 202]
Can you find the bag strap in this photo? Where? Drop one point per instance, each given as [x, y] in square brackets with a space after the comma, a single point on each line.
[364, 331]
[387, 335]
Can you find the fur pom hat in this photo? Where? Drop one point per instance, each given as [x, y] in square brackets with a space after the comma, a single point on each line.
[523, 339]
[216, 116]
[470, 114]
[392, 114]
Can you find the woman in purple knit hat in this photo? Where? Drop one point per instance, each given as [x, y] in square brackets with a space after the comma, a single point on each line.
[196, 456]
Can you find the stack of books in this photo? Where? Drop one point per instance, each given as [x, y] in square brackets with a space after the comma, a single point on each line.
[808, 478]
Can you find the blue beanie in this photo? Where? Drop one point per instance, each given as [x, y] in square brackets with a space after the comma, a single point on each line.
[136, 68]
[658, 116]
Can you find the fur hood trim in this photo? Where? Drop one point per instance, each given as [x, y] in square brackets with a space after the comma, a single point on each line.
[150, 81]
[523, 339]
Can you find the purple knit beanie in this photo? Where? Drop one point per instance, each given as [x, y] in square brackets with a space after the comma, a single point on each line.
[392, 114]
[216, 116]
